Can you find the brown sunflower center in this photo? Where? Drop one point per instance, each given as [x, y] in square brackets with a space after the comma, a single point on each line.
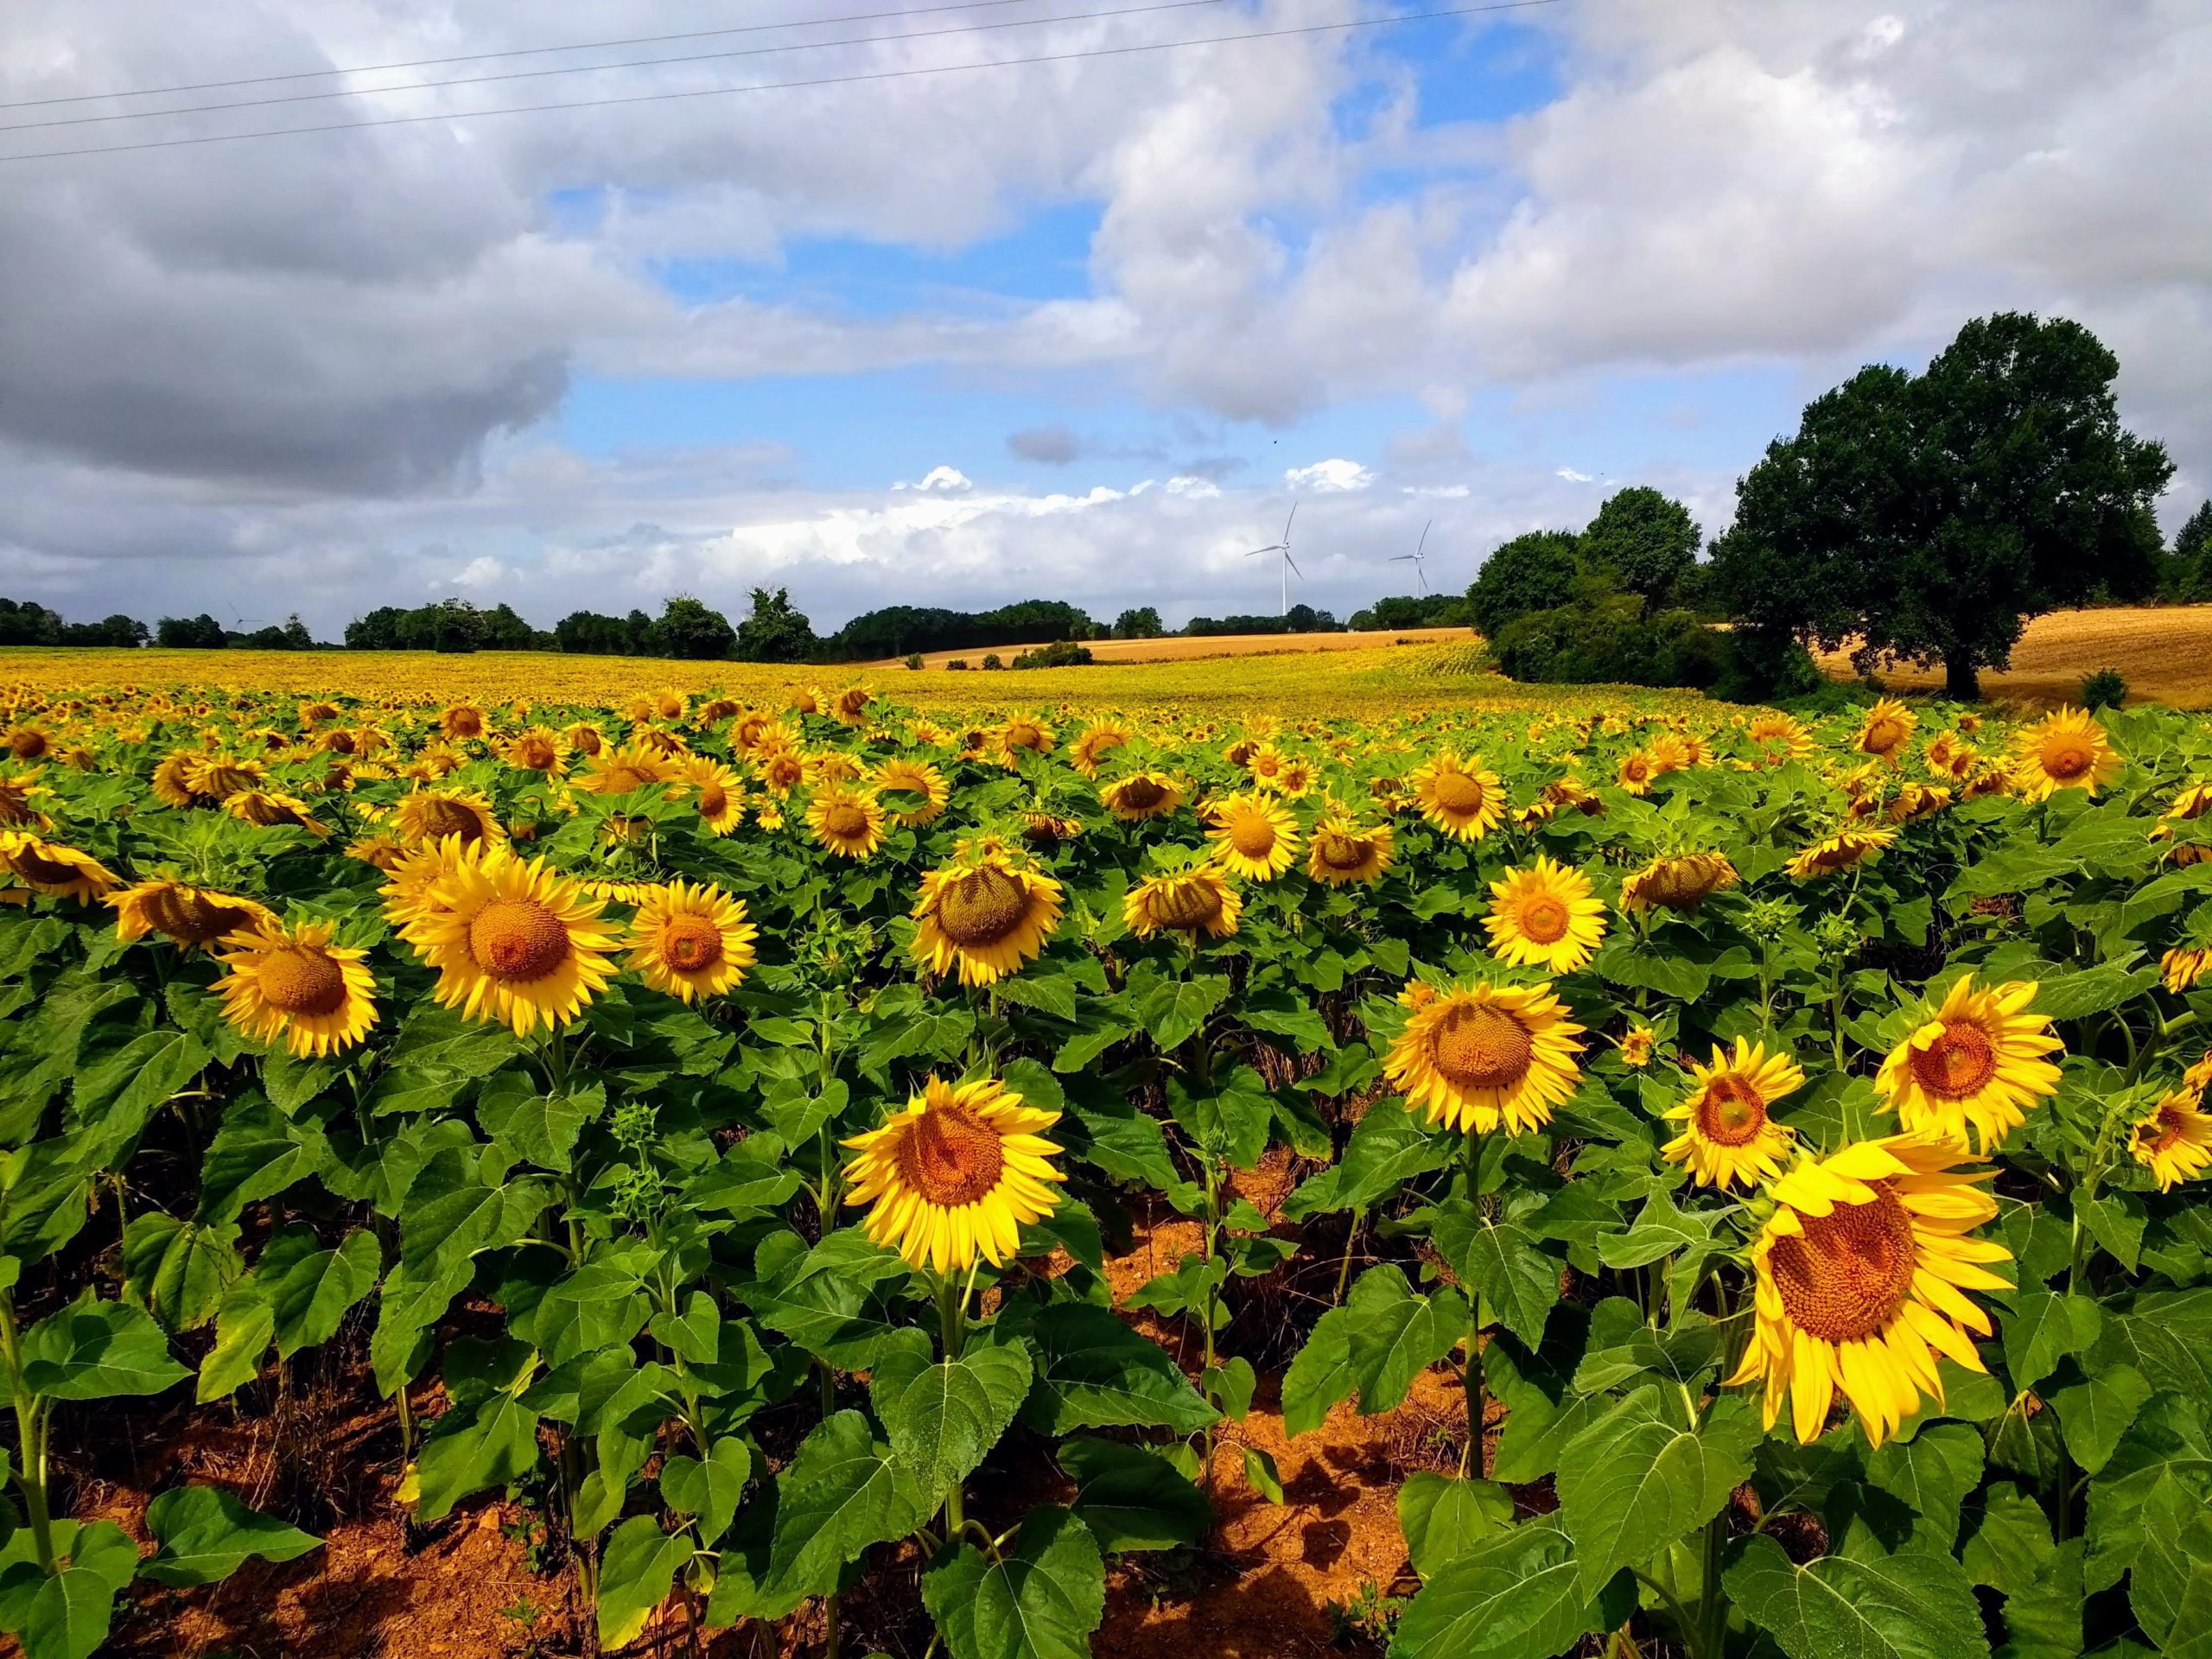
[1455, 791]
[620, 780]
[950, 1156]
[1544, 919]
[1251, 835]
[690, 944]
[464, 722]
[1340, 851]
[983, 906]
[1730, 1113]
[1848, 1273]
[1186, 905]
[27, 746]
[302, 981]
[34, 868]
[1480, 1047]
[2164, 1131]
[844, 820]
[193, 918]
[1142, 793]
[518, 939]
[441, 816]
[1958, 1063]
[713, 800]
[2067, 757]
[536, 753]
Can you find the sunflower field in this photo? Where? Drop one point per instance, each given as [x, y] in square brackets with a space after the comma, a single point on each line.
[705, 1126]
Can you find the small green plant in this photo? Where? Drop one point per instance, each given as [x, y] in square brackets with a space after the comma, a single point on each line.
[991, 660]
[958, 664]
[2105, 689]
[1371, 1616]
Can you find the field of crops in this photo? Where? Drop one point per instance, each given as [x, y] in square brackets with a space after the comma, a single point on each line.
[794, 1175]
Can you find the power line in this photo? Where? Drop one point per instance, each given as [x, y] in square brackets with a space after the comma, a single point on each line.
[512, 52]
[598, 69]
[787, 85]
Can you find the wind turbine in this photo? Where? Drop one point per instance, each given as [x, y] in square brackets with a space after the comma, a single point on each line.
[1417, 558]
[1289, 564]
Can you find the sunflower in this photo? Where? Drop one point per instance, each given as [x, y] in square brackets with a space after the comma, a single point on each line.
[847, 821]
[1096, 741]
[916, 778]
[1637, 769]
[16, 794]
[1678, 881]
[1977, 1061]
[193, 918]
[426, 814]
[1023, 732]
[540, 749]
[1882, 732]
[175, 780]
[1637, 1045]
[1045, 830]
[49, 868]
[513, 942]
[1141, 795]
[2188, 806]
[460, 722]
[1861, 1273]
[1545, 916]
[1780, 737]
[779, 768]
[270, 808]
[1915, 801]
[296, 983]
[850, 708]
[1464, 800]
[1838, 852]
[1344, 850]
[691, 940]
[616, 771]
[1726, 1136]
[985, 913]
[955, 1174]
[2183, 965]
[1475, 1056]
[2067, 750]
[1190, 902]
[721, 793]
[1253, 836]
[217, 777]
[2175, 1142]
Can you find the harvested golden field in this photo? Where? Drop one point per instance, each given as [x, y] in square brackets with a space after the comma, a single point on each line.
[2165, 652]
[1367, 677]
[1178, 649]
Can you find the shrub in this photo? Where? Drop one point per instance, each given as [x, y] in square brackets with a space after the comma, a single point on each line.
[1063, 653]
[957, 665]
[2105, 688]
[991, 660]
[1612, 642]
[913, 659]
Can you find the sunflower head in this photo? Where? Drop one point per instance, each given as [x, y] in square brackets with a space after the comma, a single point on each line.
[985, 914]
[1344, 850]
[1977, 1062]
[193, 918]
[1840, 852]
[1095, 742]
[1193, 902]
[1861, 1272]
[295, 984]
[846, 822]
[721, 793]
[1726, 1136]
[1141, 795]
[954, 1175]
[1883, 731]
[2066, 750]
[1253, 836]
[426, 814]
[690, 940]
[1678, 881]
[539, 749]
[1481, 1055]
[2174, 1142]
[1463, 799]
[912, 792]
[1545, 916]
[49, 868]
[511, 941]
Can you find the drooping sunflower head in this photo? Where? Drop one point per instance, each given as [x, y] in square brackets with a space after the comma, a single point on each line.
[513, 942]
[691, 940]
[1095, 742]
[1481, 1055]
[1861, 1273]
[269, 808]
[1141, 795]
[17, 796]
[848, 822]
[1344, 850]
[51, 868]
[1886, 728]
[1915, 801]
[1464, 799]
[426, 814]
[193, 918]
[2066, 750]
[1253, 836]
[2174, 1141]
[616, 771]
[1976, 1063]
[1680, 881]
[1545, 916]
[955, 1174]
[1838, 852]
[912, 792]
[294, 984]
[1191, 902]
[984, 914]
[219, 777]
[1726, 1137]
[719, 793]
[850, 708]
[175, 781]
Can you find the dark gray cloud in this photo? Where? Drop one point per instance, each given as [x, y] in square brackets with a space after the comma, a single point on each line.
[1054, 445]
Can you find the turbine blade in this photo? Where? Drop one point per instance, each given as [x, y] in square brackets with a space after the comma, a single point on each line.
[1293, 563]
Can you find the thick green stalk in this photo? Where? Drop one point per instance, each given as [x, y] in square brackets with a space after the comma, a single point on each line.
[952, 1320]
[30, 1430]
[1473, 1378]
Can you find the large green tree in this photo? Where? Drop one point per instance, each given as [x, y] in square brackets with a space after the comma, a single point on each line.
[1645, 540]
[1926, 517]
[776, 632]
[1533, 572]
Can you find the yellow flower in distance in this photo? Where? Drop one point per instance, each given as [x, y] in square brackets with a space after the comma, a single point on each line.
[1189, 902]
[1862, 1273]
[1476, 1056]
[691, 940]
[2175, 1142]
[514, 942]
[954, 1175]
[1882, 732]
[193, 919]
[1466, 801]
[296, 984]
[1727, 1138]
[2066, 750]
[902, 778]
[1253, 836]
[1976, 1063]
[1545, 916]
[984, 914]
[1838, 852]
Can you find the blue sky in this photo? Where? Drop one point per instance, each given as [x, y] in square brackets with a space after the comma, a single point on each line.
[1085, 329]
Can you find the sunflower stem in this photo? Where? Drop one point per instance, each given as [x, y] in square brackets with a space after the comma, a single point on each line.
[1471, 1377]
[952, 1320]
